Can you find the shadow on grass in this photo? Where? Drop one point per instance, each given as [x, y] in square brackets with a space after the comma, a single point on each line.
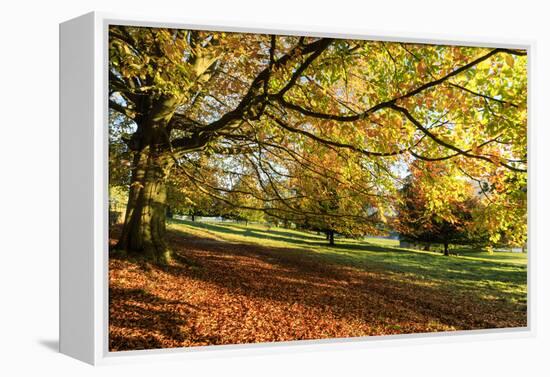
[268, 234]
[368, 257]
[274, 234]
[270, 231]
[459, 271]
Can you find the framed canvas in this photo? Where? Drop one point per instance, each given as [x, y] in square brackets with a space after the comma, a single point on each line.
[230, 189]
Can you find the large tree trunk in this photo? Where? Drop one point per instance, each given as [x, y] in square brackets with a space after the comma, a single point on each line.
[145, 223]
[446, 246]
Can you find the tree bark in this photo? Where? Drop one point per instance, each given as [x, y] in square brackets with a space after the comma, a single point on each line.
[331, 237]
[446, 246]
[144, 226]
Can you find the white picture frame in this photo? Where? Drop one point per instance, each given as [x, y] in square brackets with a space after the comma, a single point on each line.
[84, 194]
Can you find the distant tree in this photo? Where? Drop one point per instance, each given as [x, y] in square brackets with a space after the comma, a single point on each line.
[334, 194]
[454, 224]
[184, 198]
[243, 202]
[185, 201]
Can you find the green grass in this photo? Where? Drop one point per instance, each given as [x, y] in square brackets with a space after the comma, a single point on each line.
[501, 275]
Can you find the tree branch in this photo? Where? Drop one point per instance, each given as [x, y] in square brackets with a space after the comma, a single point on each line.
[387, 104]
[121, 109]
[253, 98]
[418, 125]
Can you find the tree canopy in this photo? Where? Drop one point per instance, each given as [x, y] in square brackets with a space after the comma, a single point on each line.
[318, 131]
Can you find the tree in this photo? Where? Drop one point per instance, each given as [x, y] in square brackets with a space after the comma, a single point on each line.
[242, 201]
[419, 221]
[333, 193]
[243, 97]
[503, 210]
[184, 198]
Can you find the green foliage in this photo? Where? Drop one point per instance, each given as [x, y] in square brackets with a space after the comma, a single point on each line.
[243, 203]
[118, 197]
[120, 157]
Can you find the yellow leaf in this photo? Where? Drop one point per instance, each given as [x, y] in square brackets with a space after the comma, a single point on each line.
[509, 60]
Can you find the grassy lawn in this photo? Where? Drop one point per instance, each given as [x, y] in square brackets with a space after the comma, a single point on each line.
[501, 275]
